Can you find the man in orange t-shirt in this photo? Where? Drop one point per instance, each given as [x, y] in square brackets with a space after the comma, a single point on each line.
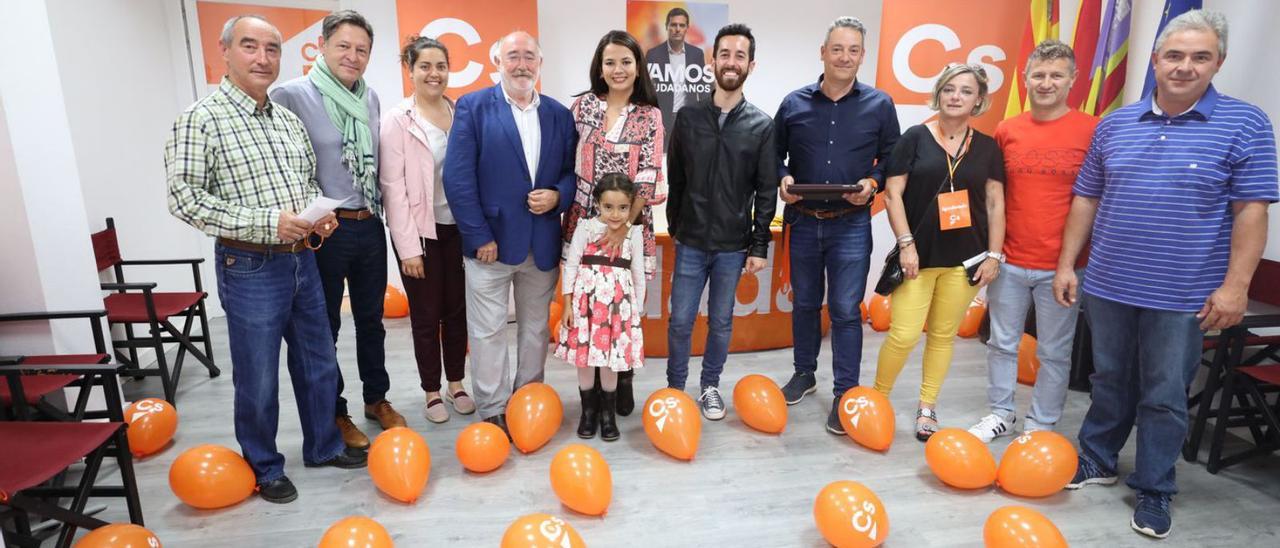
[1043, 150]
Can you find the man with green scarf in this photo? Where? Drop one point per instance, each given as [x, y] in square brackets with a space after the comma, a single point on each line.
[341, 114]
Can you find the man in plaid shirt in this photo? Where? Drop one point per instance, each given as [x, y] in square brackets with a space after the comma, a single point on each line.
[239, 167]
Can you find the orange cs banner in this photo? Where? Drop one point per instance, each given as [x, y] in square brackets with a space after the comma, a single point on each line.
[299, 28]
[471, 31]
[918, 38]
[761, 311]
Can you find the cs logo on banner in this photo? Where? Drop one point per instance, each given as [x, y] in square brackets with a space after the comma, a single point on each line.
[471, 31]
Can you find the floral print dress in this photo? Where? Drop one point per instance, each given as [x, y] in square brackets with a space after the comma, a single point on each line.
[633, 146]
[606, 297]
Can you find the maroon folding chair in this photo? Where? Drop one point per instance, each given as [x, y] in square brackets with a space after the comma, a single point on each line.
[138, 303]
[37, 387]
[1249, 386]
[37, 455]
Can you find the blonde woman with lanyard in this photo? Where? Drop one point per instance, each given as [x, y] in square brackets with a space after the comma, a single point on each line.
[945, 196]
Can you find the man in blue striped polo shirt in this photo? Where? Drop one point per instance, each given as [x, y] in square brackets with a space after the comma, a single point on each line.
[1175, 189]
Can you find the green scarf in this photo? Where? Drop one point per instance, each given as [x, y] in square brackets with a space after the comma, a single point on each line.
[349, 112]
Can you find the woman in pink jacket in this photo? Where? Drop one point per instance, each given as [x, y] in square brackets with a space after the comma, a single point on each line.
[415, 135]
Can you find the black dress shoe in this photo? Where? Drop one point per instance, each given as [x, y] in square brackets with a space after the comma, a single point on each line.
[501, 422]
[348, 459]
[279, 491]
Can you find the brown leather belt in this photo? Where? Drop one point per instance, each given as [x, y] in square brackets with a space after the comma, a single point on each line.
[354, 214]
[605, 261]
[825, 213]
[262, 248]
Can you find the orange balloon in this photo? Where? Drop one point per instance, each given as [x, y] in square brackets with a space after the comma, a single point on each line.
[356, 532]
[1038, 464]
[862, 307]
[400, 463]
[850, 515]
[553, 320]
[482, 447]
[960, 459]
[211, 476]
[1028, 363]
[119, 535]
[760, 403]
[533, 416]
[879, 312]
[541, 531]
[867, 417]
[673, 423]
[1021, 527]
[394, 303]
[748, 288]
[580, 477]
[152, 422]
[972, 321]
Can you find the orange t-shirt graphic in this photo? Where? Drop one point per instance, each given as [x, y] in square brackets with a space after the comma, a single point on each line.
[1041, 160]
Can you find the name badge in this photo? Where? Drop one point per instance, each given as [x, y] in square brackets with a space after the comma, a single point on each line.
[953, 210]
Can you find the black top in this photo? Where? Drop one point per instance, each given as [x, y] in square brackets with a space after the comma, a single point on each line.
[924, 162]
[722, 181]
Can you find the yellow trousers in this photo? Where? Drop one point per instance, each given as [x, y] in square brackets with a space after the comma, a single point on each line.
[939, 295]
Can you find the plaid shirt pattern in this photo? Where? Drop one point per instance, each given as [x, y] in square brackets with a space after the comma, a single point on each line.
[232, 167]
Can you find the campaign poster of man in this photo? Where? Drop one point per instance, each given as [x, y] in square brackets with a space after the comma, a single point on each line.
[676, 37]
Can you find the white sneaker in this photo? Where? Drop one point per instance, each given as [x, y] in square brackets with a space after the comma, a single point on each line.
[991, 427]
[712, 403]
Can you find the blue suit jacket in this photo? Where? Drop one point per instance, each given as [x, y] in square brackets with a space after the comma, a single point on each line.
[487, 181]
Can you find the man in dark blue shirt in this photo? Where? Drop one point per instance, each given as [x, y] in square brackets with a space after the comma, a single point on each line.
[837, 131]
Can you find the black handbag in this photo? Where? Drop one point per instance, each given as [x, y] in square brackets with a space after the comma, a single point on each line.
[892, 276]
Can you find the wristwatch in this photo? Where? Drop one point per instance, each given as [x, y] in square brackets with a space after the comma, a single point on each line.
[997, 256]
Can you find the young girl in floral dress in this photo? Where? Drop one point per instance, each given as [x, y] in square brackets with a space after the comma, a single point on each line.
[604, 301]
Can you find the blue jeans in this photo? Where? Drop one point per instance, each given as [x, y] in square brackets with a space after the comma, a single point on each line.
[356, 253]
[840, 248]
[1009, 297]
[1143, 362]
[269, 297]
[694, 267]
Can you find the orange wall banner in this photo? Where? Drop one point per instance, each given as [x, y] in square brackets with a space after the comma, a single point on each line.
[918, 38]
[300, 29]
[762, 313]
[471, 31]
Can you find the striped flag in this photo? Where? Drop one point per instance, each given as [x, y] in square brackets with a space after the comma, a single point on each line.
[1042, 24]
[1172, 8]
[1085, 41]
[1106, 73]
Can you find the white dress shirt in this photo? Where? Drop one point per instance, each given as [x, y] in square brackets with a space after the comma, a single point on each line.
[530, 130]
[680, 82]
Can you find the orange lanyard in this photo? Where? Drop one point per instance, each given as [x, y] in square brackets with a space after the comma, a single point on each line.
[964, 149]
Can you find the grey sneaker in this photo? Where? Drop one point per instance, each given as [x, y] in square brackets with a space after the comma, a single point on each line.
[834, 425]
[712, 403]
[800, 385]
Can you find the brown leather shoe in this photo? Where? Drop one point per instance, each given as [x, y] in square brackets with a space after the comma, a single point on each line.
[351, 435]
[386, 415]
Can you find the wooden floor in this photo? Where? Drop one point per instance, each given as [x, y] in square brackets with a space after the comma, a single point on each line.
[743, 489]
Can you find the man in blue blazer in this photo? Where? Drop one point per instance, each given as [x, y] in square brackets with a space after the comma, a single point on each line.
[508, 176]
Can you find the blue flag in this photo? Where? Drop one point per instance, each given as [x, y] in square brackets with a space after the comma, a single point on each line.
[1172, 8]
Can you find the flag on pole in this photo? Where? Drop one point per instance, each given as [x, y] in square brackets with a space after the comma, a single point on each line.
[1106, 73]
[1172, 8]
[1083, 43]
[1042, 24]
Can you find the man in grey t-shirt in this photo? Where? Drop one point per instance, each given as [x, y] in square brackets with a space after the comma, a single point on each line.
[341, 114]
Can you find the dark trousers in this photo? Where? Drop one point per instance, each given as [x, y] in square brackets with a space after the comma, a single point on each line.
[438, 309]
[356, 253]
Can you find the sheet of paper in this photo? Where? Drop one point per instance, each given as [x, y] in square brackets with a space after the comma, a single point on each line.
[975, 259]
[319, 208]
